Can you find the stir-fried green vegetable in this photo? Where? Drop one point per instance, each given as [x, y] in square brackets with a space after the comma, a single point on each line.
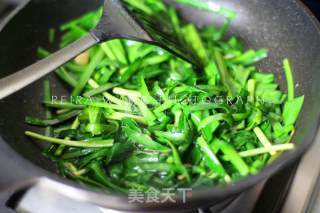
[139, 117]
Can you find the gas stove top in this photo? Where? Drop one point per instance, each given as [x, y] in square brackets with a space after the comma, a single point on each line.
[295, 189]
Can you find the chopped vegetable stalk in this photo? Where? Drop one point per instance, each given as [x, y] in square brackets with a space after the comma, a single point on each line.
[293, 105]
[194, 39]
[108, 96]
[263, 139]
[264, 150]
[177, 161]
[60, 149]
[47, 95]
[119, 116]
[125, 92]
[92, 143]
[88, 72]
[289, 77]
[291, 110]
[145, 111]
[251, 89]
[212, 160]
[137, 137]
[54, 121]
[232, 156]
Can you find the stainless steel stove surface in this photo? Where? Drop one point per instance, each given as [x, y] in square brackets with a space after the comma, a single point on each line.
[295, 190]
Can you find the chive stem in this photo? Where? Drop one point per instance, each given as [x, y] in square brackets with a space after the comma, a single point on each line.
[289, 77]
[91, 144]
[126, 92]
[264, 150]
[263, 139]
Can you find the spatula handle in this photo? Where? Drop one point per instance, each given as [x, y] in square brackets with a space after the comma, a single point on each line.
[28, 75]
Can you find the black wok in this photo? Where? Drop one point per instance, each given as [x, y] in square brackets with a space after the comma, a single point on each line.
[285, 27]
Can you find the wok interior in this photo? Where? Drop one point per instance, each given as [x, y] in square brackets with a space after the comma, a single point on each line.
[272, 24]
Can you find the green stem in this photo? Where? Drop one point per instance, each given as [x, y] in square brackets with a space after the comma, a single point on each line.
[145, 111]
[289, 77]
[232, 156]
[104, 179]
[47, 94]
[263, 139]
[50, 122]
[126, 92]
[88, 72]
[91, 144]
[264, 150]
[62, 105]
[91, 102]
[251, 87]
[65, 76]
[99, 90]
[74, 125]
[107, 95]
[212, 160]
[178, 162]
[119, 116]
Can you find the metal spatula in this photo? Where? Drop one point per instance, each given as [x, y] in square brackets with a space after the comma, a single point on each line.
[117, 22]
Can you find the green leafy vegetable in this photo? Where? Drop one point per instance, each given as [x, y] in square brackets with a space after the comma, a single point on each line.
[139, 117]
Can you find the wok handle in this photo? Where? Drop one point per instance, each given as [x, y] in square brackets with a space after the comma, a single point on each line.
[28, 75]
